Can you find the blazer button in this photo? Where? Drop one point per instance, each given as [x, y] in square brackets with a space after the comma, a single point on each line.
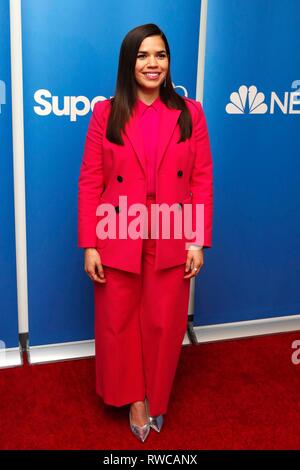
[117, 208]
[120, 178]
[179, 173]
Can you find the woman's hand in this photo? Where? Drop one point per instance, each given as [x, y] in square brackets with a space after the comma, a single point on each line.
[93, 266]
[195, 259]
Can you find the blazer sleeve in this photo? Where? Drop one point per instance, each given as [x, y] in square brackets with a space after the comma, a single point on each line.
[91, 179]
[201, 182]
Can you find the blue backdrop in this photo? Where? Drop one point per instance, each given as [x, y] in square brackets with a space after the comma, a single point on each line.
[250, 74]
[8, 292]
[71, 50]
[253, 270]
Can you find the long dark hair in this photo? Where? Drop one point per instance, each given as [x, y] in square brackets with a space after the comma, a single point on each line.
[126, 89]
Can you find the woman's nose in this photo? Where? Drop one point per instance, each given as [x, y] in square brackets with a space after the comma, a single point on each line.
[152, 61]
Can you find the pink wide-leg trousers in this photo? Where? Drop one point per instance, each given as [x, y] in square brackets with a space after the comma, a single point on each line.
[140, 323]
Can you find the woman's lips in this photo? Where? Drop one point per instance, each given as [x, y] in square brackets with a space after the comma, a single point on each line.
[152, 75]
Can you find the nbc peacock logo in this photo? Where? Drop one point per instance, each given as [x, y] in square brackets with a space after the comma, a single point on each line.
[247, 100]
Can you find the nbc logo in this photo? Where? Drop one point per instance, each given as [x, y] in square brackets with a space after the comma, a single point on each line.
[2, 94]
[247, 100]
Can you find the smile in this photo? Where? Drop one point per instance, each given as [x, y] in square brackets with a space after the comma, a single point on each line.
[152, 75]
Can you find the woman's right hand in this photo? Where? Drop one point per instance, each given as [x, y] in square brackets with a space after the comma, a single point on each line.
[93, 266]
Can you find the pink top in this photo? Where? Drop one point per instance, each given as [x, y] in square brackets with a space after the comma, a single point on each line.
[149, 123]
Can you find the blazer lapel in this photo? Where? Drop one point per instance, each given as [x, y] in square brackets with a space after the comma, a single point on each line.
[168, 121]
[133, 133]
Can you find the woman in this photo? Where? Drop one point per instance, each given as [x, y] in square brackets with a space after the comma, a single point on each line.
[146, 145]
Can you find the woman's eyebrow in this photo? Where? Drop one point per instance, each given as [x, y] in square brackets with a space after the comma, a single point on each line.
[146, 52]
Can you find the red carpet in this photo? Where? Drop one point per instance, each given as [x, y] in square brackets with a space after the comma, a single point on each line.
[242, 394]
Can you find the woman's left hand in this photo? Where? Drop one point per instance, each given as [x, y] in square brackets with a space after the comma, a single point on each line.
[195, 259]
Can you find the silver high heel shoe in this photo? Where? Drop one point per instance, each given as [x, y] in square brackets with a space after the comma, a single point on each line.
[155, 422]
[141, 432]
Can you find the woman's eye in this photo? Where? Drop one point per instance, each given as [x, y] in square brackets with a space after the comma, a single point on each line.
[161, 56]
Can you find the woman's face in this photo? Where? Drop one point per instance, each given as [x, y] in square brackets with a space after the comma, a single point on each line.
[152, 63]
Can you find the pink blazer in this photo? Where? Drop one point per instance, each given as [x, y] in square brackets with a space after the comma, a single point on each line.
[184, 174]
